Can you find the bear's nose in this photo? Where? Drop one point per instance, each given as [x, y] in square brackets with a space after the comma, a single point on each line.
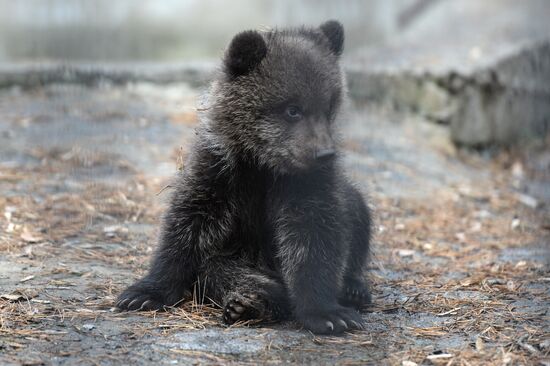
[324, 153]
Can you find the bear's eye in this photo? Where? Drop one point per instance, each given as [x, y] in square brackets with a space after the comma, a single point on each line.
[293, 113]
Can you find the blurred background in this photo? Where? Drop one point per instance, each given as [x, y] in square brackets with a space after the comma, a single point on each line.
[104, 30]
[168, 30]
[447, 129]
[413, 54]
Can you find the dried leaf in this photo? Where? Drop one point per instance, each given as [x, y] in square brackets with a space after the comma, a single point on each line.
[19, 295]
[439, 356]
[480, 345]
[12, 297]
[30, 238]
[28, 278]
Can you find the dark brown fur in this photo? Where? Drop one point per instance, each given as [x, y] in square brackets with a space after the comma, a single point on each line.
[263, 215]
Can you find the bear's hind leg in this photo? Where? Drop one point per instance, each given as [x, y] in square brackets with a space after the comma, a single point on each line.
[245, 292]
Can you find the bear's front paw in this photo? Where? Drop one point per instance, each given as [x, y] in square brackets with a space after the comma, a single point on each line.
[355, 293]
[333, 321]
[137, 297]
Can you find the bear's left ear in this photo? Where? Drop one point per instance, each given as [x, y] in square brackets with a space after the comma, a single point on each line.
[246, 51]
[334, 31]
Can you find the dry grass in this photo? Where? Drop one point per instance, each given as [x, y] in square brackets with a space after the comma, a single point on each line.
[433, 253]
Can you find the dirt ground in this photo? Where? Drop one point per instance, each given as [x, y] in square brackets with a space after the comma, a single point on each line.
[460, 271]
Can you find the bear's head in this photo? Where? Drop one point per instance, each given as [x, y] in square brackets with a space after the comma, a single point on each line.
[278, 96]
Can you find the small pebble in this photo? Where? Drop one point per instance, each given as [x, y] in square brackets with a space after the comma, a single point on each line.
[405, 252]
[88, 327]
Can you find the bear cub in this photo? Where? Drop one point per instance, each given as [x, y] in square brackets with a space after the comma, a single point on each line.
[262, 218]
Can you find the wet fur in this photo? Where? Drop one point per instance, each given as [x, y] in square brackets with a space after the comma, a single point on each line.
[269, 230]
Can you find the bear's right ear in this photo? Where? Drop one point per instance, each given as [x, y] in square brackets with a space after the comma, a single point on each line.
[246, 51]
[334, 31]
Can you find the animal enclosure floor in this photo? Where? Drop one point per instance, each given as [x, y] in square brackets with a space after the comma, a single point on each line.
[460, 266]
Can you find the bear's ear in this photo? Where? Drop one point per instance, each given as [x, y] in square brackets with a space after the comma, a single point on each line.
[246, 51]
[334, 31]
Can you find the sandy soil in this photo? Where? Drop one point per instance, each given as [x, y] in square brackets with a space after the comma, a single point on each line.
[460, 270]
